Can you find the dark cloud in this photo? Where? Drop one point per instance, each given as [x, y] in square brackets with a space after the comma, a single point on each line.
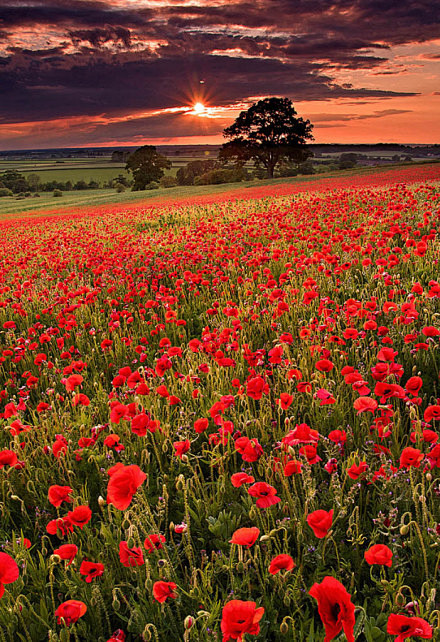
[103, 57]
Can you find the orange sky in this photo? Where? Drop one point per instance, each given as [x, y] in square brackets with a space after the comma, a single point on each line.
[103, 72]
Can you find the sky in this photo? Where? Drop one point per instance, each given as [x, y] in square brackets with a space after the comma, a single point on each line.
[113, 72]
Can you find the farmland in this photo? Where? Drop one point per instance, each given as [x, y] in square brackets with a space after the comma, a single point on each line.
[220, 410]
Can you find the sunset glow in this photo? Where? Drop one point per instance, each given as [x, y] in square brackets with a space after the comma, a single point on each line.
[125, 72]
[199, 108]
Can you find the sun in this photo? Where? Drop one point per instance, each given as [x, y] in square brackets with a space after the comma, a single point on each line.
[199, 108]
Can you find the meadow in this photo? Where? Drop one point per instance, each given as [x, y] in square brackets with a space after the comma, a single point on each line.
[219, 415]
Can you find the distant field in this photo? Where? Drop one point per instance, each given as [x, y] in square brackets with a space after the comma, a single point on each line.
[100, 169]
[10, 207]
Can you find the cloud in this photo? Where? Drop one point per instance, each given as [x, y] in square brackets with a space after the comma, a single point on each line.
[90, 58]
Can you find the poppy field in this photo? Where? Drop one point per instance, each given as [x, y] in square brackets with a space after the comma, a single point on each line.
[221, 420]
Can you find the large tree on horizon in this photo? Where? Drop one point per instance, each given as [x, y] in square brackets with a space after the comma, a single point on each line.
[268, 133]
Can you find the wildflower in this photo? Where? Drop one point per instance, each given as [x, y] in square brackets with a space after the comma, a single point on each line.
[124, 482]
[67, 552]
[70, 611]
[280, 563]
[245, 536]
[59, 494]
[164, 590]
[8, 571]
[379, 554]
[130, 557]
[91, 570]
[320, 522]
[408, 627]
[239, 618]
[334, 607]
[266, 494]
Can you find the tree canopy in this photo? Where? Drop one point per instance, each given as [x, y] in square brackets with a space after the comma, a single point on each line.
[146, 165]
[269, 132]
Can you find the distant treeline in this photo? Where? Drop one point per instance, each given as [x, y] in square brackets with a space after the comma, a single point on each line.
[13, 182]
[211, 150]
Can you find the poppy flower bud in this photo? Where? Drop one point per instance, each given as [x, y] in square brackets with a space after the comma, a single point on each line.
[64, 635]
[130, 542]
[286, 600]
[180, 482]
[404, 529]
[146, 635]
[188, 622]
[56, 559]
[101, 502]
[126, 524]
[284, 628]
[116, 605]
[429, 477]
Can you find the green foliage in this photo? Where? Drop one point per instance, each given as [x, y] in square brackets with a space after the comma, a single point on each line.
[187, 175]
[267, 133]
[146, 165]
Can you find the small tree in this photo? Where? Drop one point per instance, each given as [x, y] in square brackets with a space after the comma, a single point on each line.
[147, 166]
[267, 133]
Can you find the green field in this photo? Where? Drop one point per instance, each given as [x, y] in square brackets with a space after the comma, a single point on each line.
[101, 170]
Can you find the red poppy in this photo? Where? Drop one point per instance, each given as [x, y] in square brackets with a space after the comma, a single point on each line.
[239, 618]
[59, 494]
[238, 479]
[324, 365]
[266, 494]
[200, 425]
[320, 521]
[285, 400]
[245, 536]
[130, 557]
[124, 482]
[431, 412]
[181, 447]
[73, 382]
[8, 571]
[356, 471]
[152, 542]
[413, 385]
[335, 608]
[164, 590]
[80, 516]
[365, 404]
[67, 552]
[280, 563]
[292, 467]
[60, 526]
[249, 449]
[379, 554]
[408, 627]
[91, 570]
[411, 457]
[7, 458]
[70, 611]
[256, 387]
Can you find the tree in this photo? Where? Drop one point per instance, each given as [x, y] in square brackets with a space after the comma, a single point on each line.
[146, 165]
[267, 133]
[186, 175]
[14, 181]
